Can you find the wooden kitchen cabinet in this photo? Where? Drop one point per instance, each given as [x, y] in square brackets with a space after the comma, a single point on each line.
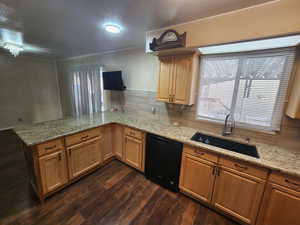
[82, 136]
[197, 177]
[177, 79]
[118, 137]
[107, 142]
[281, 205]
[233, 187]
[165, 79]
[53, 171]
[134, 152]
[84, 156]
[293, 108]
[238, 194]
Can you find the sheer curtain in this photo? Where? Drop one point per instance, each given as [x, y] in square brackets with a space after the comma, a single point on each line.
[86, 89]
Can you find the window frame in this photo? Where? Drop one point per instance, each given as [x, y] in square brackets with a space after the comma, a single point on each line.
[242, 57]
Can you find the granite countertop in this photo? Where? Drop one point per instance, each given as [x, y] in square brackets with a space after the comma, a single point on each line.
[271, 156]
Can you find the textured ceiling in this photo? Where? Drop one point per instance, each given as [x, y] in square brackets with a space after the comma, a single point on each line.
[73, 27]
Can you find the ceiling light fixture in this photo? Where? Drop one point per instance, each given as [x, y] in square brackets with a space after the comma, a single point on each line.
[14, 49]
[5, 11]
[112, 28]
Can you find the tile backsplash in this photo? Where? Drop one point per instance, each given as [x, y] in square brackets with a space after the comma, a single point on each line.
[143, 102]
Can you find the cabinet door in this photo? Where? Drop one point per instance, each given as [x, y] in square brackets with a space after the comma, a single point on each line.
[133, 150]
[238, 194]
[196, 177]
[84, 156]
[107, 142]
[165, 79]
[281, 206]
[53, 169]
[293, 108]
[118, 137]
[182, 79]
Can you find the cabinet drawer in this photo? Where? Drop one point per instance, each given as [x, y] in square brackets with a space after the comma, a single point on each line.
[82, 136]
[133, 133]
[285, 180]
[200, 153]
[244, 167]
[50, 146]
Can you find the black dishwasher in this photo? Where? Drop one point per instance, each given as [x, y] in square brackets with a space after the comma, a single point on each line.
[162, 162]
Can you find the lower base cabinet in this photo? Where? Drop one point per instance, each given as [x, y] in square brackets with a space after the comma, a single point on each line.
[53, 170]
[107, 148]
[238, 194]
[281, 205]
[197, 177]
[118, 136]
[84, 156]
[236, 188]
[133, 152]
[232, 187]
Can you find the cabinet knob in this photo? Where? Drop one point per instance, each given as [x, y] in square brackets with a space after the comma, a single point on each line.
[292, 183]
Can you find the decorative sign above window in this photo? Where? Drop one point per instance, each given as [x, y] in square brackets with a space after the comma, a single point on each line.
[169, 39]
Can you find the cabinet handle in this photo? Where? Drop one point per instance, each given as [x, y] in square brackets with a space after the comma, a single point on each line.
[51, 147]
[240, 167]
[198, 152]
[217, 171]
[59, 156]
[290, 182]
[70, 152]
[214, 170]
[84, 137]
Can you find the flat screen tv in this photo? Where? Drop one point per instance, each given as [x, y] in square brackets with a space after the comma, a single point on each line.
[113, 81]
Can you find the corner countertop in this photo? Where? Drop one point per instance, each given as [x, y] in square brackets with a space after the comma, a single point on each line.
[271, 156]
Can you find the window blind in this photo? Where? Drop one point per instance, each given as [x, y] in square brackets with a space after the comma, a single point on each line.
[250, 86]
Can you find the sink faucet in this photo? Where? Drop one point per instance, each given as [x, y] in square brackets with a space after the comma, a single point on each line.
[229, 125]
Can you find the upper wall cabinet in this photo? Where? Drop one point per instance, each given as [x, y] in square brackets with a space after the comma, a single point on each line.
[293, 109]
[177, 79]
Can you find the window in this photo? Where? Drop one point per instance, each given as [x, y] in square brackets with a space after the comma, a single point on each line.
[87, 90]
[250, 86]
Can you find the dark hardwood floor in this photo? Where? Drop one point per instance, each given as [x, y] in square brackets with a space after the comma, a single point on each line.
[113, 195]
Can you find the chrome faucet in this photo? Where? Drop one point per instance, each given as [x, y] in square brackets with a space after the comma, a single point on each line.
[229, 125]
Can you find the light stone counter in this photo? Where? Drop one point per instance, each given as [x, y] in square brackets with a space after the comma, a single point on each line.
[272, 157]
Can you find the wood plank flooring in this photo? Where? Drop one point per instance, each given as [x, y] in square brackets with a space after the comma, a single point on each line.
[113, 195]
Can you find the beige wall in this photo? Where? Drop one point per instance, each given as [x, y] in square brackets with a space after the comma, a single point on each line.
[140, 71]
[28, 90]
[271, 19]
[144, 68]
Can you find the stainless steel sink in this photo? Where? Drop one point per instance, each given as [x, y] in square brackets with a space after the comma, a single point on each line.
[233, 146]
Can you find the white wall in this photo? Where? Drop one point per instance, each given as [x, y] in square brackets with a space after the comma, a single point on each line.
[28, 90]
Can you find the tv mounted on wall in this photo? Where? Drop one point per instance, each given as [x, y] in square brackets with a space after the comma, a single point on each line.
[113, 81]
